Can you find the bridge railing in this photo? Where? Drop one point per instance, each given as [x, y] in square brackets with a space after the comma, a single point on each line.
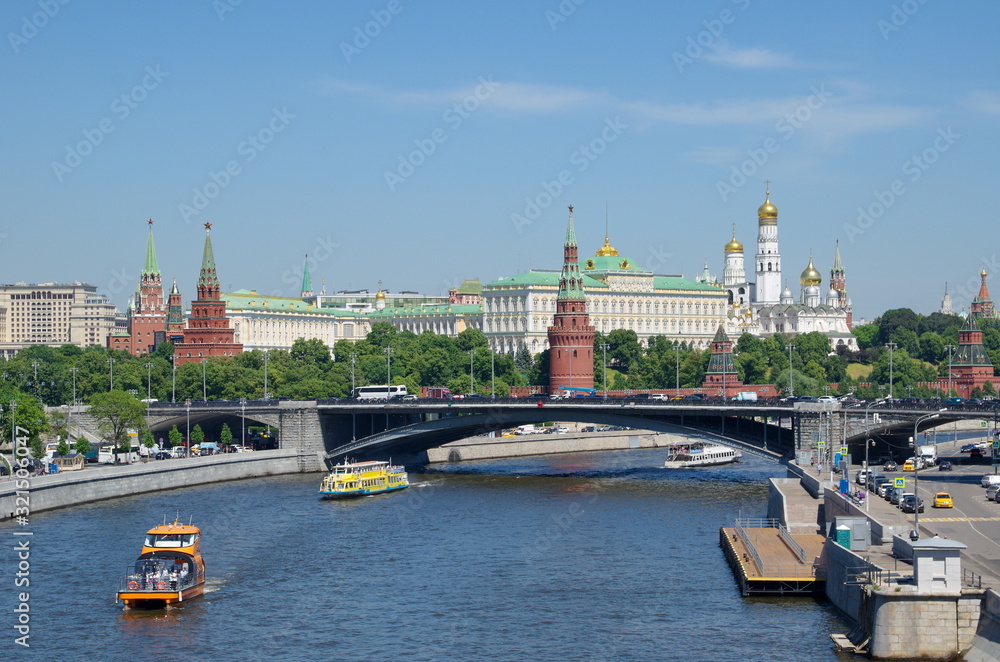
[796, 548]
[748, 544]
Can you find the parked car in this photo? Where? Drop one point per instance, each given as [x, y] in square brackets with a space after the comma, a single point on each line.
[827, 398]
[991, 492]
[944, 465]
[891, 465]
[953, 402]
[911, 401]
[587, 428]
[910, 503]
[807, 398]
[873, 481]
[695, 396]
[990, 479]
[896, 497]
[849, 401]
[862, 477]
[163, 455]
[943, 500]
[975, 402]
[884, 489]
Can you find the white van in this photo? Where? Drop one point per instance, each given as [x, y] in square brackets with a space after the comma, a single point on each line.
[990, 479]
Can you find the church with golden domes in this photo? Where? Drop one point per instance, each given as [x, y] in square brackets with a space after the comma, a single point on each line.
[762, 308]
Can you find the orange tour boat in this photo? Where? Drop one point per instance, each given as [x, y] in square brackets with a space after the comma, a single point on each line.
[169, 569]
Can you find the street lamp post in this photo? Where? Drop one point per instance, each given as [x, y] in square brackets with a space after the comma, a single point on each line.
[73, 370]
[916, 478]
[267, 357]
[791, 377]
[493, 375]
[604, 349]
[34, 365]
[204, 382]
[353, 359]
[173, 379]
[187, 407]
[149, 383]
[111, 362]
[677, 369]
[891, 346]
[243, 421]
[13, 429]
[472, 383]
[388, 365]
[868, 443]
[951, 349]
[354, 420]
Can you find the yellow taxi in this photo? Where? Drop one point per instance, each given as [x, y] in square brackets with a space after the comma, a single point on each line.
[908, 466]
[943, 500]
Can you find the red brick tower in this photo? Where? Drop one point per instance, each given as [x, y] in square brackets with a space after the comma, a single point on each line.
[175, 315]
[150, 312]
[721, 373]
[571, 337]
[208, 332]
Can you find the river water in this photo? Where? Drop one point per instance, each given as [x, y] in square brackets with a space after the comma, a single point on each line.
[594, 556]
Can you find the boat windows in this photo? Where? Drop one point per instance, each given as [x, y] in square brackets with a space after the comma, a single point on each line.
[171, 540]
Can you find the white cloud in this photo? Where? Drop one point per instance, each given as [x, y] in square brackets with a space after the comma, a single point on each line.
[983, 101]
[747, 58]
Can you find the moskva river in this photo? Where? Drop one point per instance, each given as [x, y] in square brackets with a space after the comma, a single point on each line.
[599, 556]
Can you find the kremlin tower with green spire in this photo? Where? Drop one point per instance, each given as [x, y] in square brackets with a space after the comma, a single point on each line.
[208, 332]
[571, 337]
[147, 311]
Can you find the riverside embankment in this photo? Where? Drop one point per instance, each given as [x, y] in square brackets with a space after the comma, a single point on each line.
[40, 493]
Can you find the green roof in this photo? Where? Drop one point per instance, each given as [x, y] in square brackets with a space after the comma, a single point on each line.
[681, 283]
[420, 311]
[541, 279]
[610, 263]
[249, 300]
[470, 287]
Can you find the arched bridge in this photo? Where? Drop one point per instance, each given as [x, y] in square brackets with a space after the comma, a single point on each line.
[328, 430]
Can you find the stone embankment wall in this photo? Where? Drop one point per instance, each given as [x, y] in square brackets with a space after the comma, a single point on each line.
[986, 643]
[97, 483]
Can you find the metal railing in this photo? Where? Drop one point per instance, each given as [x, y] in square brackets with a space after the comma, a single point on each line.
[794, 546]
[971, 579]
[749, 545]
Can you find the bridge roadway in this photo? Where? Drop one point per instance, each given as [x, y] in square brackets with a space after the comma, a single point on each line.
[363, 429]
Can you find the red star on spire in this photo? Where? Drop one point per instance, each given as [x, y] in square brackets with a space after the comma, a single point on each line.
[571, 209]
[150, 221]
[208, 226]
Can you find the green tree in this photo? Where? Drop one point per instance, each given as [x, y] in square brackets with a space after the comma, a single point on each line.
[226, 436]
[311, 351]
[522, 358]
[197, 435]
[147, 438]
[175, 437]
[116, 412]
[63, 447]
[82, 446]
[867, 335]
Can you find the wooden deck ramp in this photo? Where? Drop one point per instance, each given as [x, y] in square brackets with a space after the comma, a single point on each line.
[768, 560]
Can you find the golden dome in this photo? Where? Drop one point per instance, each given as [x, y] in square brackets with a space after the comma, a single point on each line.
[734, 246]
[380, 294]
[607, 250]
[767, 214]
[810, 276]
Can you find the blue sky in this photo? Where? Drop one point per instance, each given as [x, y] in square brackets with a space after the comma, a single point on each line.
[423, 143]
